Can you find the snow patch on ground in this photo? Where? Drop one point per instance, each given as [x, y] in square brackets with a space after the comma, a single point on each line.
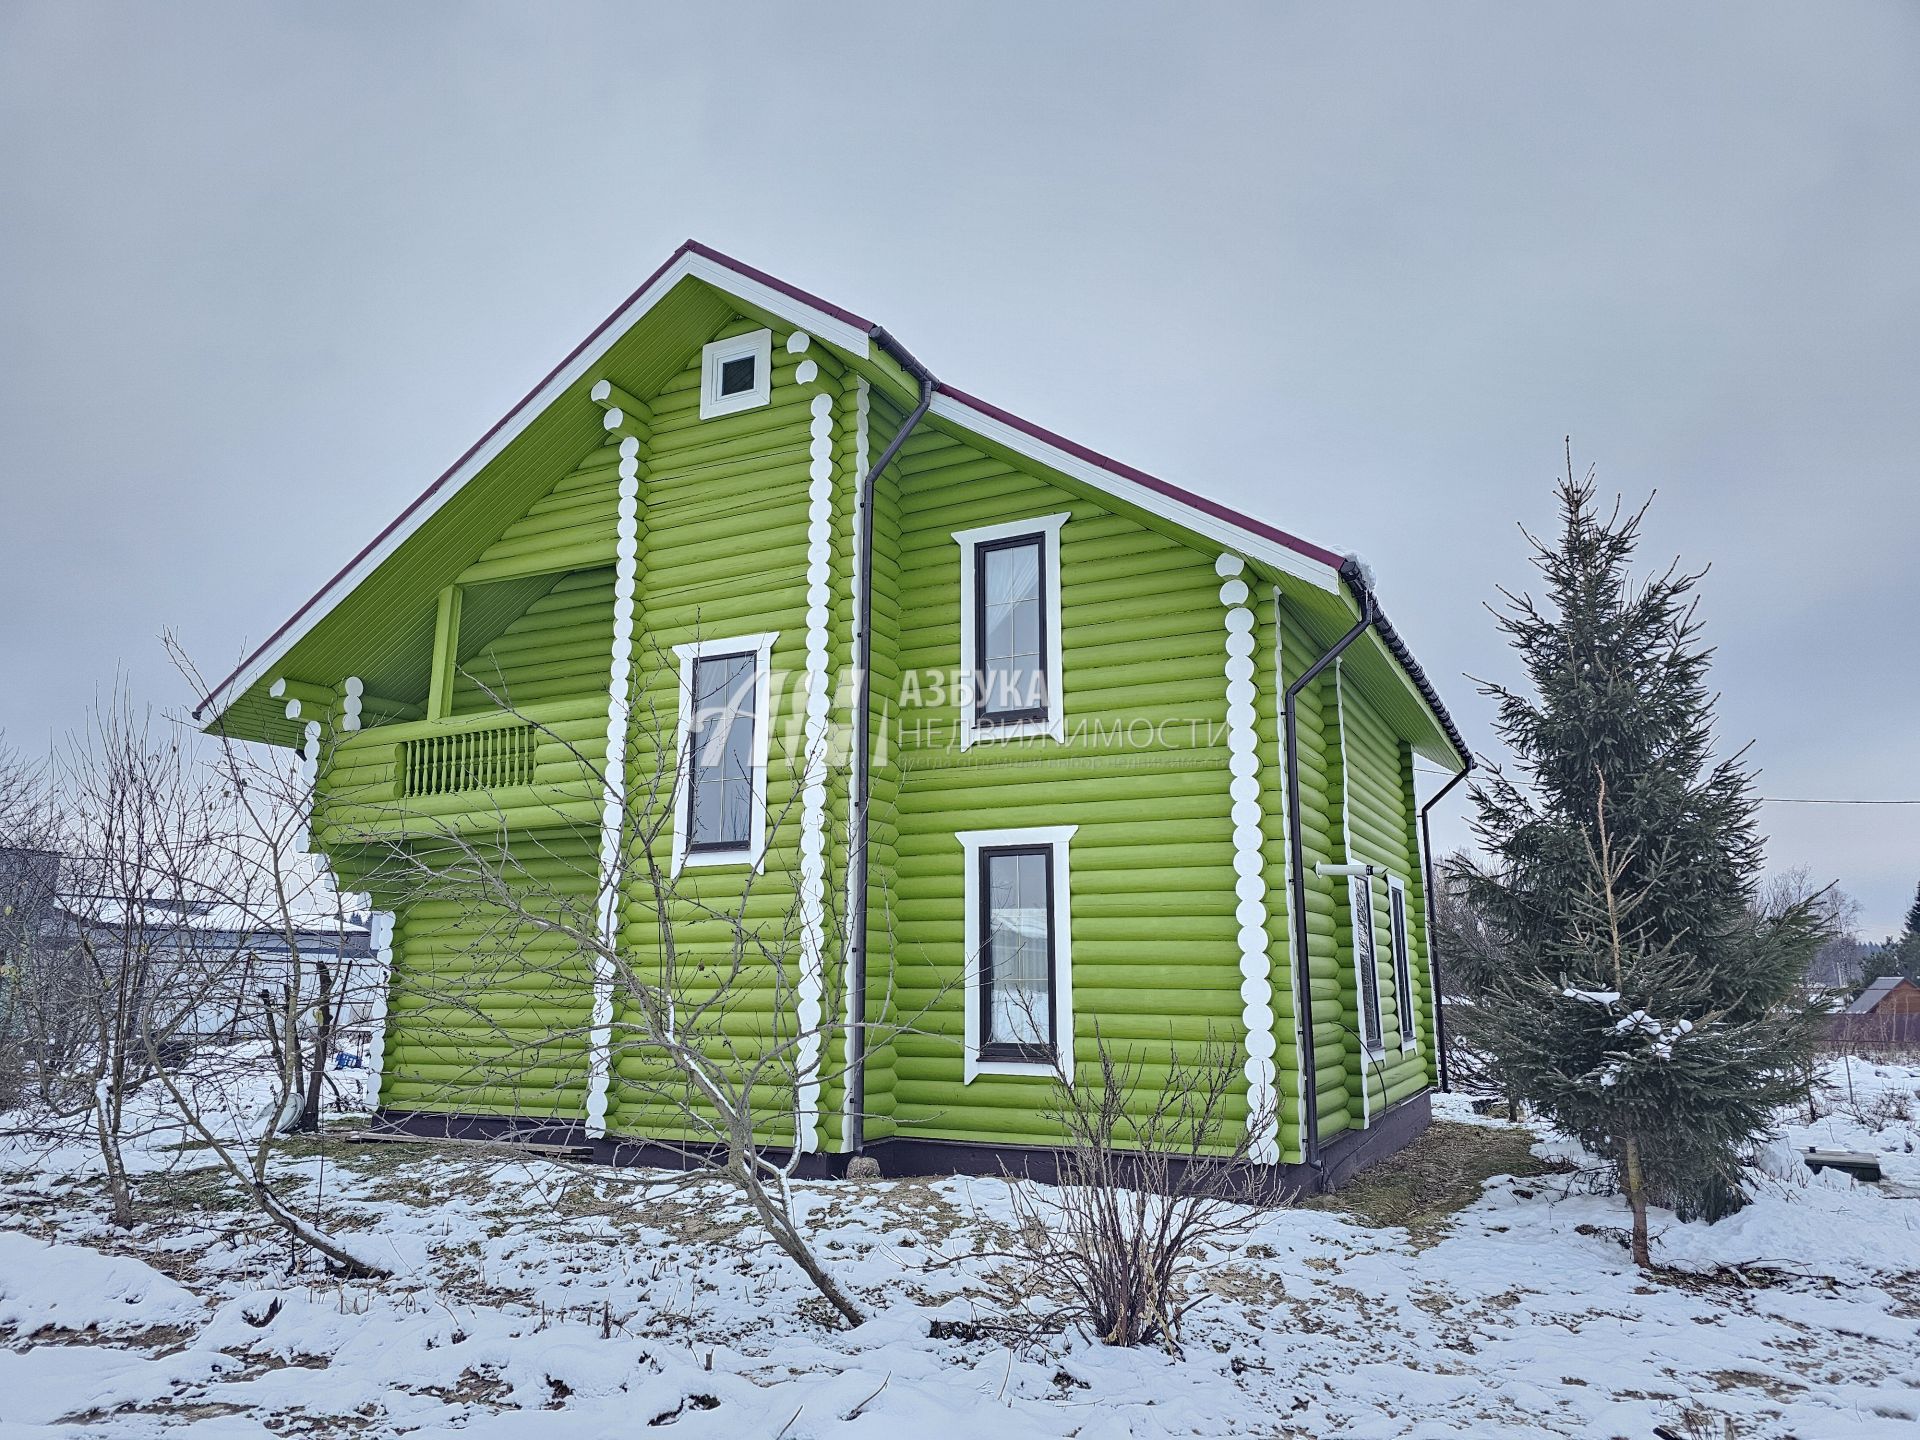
[531, 1300]
[71, 1288]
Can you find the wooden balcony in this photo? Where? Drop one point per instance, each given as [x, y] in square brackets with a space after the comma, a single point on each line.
[467, 774]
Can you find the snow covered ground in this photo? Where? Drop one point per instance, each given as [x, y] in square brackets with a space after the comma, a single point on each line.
[533, 1300]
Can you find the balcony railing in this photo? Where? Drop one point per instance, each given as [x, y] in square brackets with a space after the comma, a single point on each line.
[467, 760]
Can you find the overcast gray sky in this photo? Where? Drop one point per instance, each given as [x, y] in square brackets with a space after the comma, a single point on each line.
[265, 270]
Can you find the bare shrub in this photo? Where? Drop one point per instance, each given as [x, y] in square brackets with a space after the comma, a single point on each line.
[720, 1011]
[267, 895]
[96, 989]
[1153, 1176]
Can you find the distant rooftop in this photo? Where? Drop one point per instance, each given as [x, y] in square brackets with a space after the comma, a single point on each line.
[1875, 993]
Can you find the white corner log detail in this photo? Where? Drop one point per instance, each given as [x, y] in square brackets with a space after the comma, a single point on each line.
[613, 800]
[1249, 863]
[815, 736]
[380, 942]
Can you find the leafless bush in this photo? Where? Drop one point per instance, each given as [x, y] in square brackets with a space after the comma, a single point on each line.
[1153, 1177]
[170, 871]
[1697, 1422]
[96, 989]
[267, 896]
[722, 1027]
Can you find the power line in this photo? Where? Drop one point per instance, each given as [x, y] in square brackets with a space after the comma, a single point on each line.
[1762, 799]
[1796, 800]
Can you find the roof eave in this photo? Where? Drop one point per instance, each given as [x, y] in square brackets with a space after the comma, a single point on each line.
[852, 335]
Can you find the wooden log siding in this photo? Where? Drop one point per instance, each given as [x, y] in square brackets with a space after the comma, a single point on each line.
[857, 455]
[726, 507]
[468, 987]
[487, 1016]
[1374, 828]
[1320, 834]
[1156, 958]
[1271, 675]
[884, 1005]
[620, 524]
[556, 650]
[1381, 823]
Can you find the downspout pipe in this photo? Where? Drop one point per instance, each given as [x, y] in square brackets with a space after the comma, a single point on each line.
[856, 1047]
[1433, 951]
[1297, 871]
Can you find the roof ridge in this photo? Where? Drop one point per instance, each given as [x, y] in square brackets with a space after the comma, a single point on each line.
[1204, 505]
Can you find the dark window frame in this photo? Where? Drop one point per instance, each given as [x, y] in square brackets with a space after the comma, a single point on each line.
[694, 845]
[1041, 1054]
[985, 718]
[1373, 1030]
[1403, 997]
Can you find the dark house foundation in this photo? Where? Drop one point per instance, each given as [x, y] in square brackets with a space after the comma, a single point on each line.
[1340, 1158]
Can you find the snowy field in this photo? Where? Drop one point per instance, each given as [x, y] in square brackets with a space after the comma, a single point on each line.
[532, 1300]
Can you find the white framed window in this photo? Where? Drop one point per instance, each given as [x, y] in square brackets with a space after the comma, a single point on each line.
[1010, 631]
[1366, 962]
[736, 374]
[1402, 959]
[720, 784]
[1019, 952]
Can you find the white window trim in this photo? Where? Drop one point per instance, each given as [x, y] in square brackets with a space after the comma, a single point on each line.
[1360, 902]
[973, 842]
[715, 353]
[754, 852]
[1054, 725]
[1405, 1016]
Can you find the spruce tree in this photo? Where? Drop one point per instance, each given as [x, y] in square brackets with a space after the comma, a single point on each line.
[1902, 953]
[1638, 998]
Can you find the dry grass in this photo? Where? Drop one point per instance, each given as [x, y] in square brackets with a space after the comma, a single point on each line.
[1434, 1178]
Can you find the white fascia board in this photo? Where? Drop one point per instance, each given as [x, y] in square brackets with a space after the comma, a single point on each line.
[797, 313]
[1234, 537]
[1413, 691]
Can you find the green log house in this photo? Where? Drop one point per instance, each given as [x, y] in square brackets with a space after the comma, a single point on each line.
[768, 487]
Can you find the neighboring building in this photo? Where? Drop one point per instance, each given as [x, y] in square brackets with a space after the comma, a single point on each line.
[1883, 1018]
[1095, 834]
[29, 883]
[208, 964]
[29, 880]
[1889, 995]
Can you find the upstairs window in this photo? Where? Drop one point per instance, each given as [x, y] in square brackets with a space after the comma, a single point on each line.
[721, 789]
[1402, 962]
[736, 374]
[1010, 630]
[1009, 626]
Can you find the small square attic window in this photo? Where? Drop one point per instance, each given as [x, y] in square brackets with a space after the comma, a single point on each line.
[736, 374]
